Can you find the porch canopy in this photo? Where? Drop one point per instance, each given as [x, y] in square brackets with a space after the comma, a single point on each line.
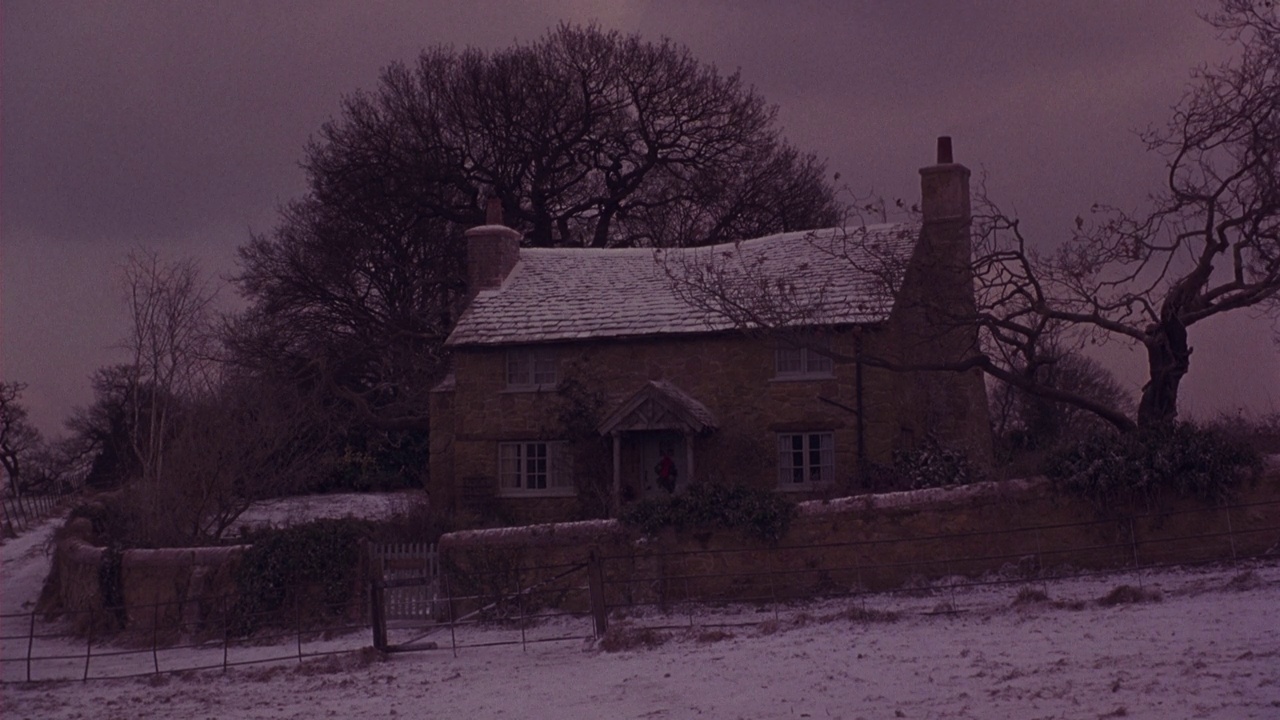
[659, 405]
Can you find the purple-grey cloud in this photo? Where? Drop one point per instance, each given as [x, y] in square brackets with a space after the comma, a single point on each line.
[180, 126]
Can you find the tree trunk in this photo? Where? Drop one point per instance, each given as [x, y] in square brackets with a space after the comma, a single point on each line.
[1168, 358]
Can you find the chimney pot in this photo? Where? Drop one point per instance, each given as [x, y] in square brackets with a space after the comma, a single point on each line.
[944, 187]
[493, 250]
[493, 211]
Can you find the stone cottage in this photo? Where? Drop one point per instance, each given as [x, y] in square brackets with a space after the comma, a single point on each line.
[584, 379]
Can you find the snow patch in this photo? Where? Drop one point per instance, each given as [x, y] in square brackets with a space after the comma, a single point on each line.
[919, 498]
[287, 511]
[544, 534]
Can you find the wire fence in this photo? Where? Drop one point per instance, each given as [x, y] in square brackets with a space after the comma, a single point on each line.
[88, 645]
[508, 601]
[494, 607]
[22, 512]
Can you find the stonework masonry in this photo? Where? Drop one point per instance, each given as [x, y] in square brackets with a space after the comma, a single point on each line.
[733, 374]
[615, 322]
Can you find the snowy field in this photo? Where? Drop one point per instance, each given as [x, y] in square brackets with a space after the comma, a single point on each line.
[1208, 648]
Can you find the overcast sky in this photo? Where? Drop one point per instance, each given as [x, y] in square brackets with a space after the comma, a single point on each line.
[179, 126]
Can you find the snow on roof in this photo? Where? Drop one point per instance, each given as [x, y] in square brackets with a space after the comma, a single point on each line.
[842, 275]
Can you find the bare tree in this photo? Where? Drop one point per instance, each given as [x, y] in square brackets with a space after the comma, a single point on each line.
[98, 439]
[170, 347]
[1026, 421]
[589, 139]
[1209, 244]
[20, 441]
[230, 448]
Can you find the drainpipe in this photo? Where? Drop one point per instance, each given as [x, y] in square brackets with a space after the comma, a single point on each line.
[617, 474]
[863, 469]
[688, 457]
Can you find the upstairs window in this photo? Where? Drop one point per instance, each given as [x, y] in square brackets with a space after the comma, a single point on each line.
[533, 468]
[802, 362]
[531, 368]
[805, 460]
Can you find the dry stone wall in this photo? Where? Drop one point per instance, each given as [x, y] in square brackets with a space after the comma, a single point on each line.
[881, 542]
[168, 588]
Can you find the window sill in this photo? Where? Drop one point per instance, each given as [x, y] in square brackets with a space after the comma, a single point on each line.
[802, 377]
[548, 493]
[529, 388]
[804, 487]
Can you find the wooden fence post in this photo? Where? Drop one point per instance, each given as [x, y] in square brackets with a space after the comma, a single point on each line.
[88, 647]
[31, 641]
[378, 614]
[1231, 535]
[595, 584]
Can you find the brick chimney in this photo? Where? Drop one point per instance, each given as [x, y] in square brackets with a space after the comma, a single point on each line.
[935, 314]
[492, 251]
[946, 249]
[944, 187]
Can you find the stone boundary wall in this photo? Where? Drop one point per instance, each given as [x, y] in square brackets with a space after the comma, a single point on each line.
[1012, 529]
[164, 588]
[187, 591]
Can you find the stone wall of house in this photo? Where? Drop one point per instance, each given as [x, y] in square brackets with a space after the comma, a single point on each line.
[1014, 529]
[732, 375]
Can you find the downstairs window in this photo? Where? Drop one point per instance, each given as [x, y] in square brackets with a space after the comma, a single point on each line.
[533, 468]
[805, 460]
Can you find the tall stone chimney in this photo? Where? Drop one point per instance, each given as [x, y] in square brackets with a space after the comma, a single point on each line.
[944, 187]
[945, 253]
[492, 251]
[934, 318]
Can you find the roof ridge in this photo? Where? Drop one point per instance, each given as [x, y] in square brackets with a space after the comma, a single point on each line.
[559, 294]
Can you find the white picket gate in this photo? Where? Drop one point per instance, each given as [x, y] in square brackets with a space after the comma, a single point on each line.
[397, 561]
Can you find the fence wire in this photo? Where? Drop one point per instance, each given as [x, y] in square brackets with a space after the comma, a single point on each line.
[22, 512]
[522, 605]
[86, 646]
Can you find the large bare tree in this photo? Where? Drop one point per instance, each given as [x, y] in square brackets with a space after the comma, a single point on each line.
[588, 138]
[1208, 244]
[170, 345]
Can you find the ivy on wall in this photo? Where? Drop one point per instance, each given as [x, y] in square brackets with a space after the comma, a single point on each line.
[321, 557]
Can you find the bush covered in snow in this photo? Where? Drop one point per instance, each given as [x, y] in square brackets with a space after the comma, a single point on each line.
[1179, 460]
[931, 464]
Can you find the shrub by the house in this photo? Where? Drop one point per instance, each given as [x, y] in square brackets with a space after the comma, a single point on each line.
[757, 513]
[1171, 461]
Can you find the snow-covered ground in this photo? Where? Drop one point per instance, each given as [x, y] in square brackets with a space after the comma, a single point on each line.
[1210, 648]
[283, 512]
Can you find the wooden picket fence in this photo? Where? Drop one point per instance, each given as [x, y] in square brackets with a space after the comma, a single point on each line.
[409, 561]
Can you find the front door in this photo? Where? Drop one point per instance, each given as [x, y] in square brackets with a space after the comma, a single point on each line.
[662, 464]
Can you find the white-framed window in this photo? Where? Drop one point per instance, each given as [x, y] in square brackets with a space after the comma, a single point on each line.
[802, 362]
[533, 467]
[531, 368]
[805, 460]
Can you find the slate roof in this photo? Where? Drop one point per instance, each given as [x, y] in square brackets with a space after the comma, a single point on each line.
[830, 276]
